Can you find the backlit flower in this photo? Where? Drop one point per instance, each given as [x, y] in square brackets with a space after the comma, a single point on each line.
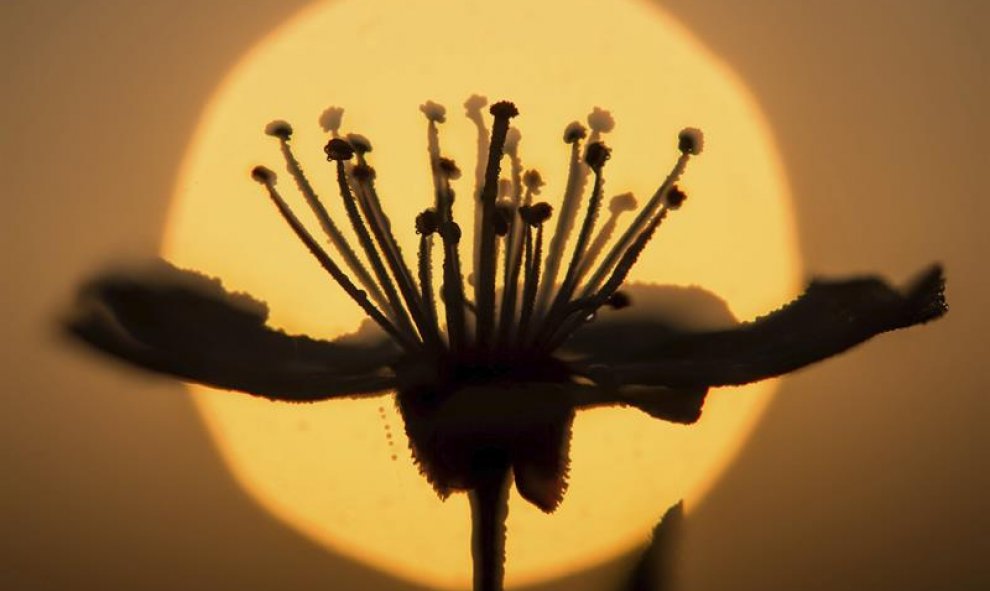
[488, 374]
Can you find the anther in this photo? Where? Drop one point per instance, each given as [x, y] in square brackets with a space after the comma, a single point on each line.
[596, 156]
[536, 214]
[675, 197]
[331, 118]
[338, 150]
[503, 109]
[619, 300]
[622, 203]
[363, 172]
[263, 175]
[533, 181]
[449, 168]
[474, 104]
[690, 141]
[450, 232]
[434, 112]
[280, 129]
[503, 218]
[361, 144]
[574, 132]
[427, 222]
[601, 121]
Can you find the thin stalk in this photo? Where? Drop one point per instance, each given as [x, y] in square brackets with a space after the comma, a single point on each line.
[489, 508]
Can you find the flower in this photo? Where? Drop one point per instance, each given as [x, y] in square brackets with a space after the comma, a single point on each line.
[488, 382]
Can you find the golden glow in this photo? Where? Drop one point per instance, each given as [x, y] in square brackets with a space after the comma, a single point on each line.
[326, 469]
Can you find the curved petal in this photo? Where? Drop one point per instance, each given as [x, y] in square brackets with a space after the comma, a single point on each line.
[184, 324]
[829, 318]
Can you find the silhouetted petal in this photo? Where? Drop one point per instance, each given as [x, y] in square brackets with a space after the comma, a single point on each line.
[830, 317]
[186, 325]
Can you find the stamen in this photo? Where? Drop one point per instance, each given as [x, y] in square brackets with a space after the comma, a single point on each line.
[690, 142]
[427, 224]
[453, 286]
[485, 288]
[595, 157]
[573, 135]
[364, 177]
[283, 131]
[339, 151]
[613, 284]
[514, 259]
[267, 178]
[472, 108]
[534, 216]
[616, 207]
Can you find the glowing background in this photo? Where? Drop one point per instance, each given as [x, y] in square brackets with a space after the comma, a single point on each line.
[868, 472]
[325, 468]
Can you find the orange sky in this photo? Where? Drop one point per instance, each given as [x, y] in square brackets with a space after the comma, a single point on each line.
[867, 473]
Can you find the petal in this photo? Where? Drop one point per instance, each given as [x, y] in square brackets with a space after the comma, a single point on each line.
[186, 325]
[540, 462]
[830, 317]
[656, 313]
[675, 405]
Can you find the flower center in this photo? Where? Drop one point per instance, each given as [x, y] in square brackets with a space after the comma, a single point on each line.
[524, 302]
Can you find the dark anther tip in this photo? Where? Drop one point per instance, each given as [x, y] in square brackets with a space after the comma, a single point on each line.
[449, 168]
[363, 172]
[280, 129]
[263, 174]
[503, 110]
[536, 214]
[675, 197]
[601, 121]
[596, 155]
[503, 218]
[339, 150]
[574, 132]
[331, 118]
[361, 144]
[690, 141]
[434, 112]
[533, 181]
[623, 202]
[619, 300]
[427, 222]
[450, 232]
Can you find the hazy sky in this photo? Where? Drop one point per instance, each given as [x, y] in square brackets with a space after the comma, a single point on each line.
[868, 472]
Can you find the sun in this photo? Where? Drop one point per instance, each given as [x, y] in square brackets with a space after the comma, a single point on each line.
[340, 472]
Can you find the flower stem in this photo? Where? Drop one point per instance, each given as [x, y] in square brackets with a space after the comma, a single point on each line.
[489, 508]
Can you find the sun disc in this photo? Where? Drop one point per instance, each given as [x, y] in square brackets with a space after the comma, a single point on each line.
[328, 469]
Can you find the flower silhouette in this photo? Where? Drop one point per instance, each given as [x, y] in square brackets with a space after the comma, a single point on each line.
[489, 371]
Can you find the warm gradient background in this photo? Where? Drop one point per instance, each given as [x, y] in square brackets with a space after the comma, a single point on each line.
[868, 472]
